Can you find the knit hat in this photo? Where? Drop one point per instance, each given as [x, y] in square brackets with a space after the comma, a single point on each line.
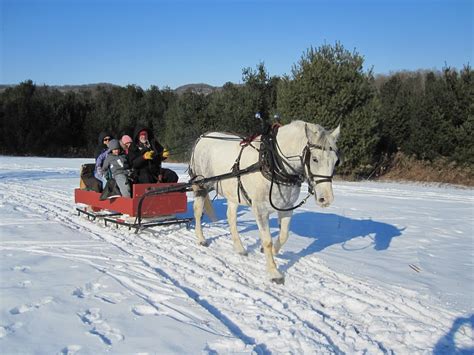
[114, 144]
[126, 139]
[143, 132]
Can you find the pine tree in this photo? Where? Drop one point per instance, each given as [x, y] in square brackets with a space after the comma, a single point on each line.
[328, 87]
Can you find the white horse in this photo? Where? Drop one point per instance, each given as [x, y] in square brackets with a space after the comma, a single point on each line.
[305, 150]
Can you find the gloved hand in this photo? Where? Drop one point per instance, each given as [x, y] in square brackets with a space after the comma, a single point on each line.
[166, 154]
[149, 155]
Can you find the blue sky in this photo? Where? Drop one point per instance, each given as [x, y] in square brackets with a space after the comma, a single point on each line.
[177, 42]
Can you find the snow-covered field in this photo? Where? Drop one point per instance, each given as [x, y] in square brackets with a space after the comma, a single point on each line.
[388, 268]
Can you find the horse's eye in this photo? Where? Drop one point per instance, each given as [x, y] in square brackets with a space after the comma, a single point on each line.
[315, 160]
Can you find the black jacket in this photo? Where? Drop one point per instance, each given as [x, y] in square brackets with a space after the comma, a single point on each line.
[146, 171]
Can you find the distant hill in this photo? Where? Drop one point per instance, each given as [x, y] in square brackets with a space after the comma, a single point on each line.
[197, 88]
[200, 88]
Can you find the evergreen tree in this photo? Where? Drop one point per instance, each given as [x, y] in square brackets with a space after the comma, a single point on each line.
[18, 116]
[328, 87]
[262, 89]
[464, 119]
[400, 98]
[185, 120]
[132, 110]
[231, 110]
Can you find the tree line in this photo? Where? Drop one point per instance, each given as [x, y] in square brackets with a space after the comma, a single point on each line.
[425, 114]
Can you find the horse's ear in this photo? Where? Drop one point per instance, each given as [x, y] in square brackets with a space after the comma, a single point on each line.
[335, 133]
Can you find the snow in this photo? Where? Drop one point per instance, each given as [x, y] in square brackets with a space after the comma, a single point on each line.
[387, 268]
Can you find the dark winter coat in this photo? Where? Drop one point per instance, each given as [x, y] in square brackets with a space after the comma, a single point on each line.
[148, 171]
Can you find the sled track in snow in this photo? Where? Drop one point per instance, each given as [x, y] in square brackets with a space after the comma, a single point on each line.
[400, 194]
[317, 310]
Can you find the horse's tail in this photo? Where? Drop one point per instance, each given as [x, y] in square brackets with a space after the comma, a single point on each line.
[208, 209]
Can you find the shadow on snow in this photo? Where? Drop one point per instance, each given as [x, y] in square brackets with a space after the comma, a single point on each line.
[447, 344]
[325, 229]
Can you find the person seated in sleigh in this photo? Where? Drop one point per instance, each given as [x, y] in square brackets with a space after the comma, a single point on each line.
[101, 153]
[146, 155]
[117, 166]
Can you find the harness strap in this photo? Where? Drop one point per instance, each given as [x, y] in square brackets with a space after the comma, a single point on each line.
[236, 169]
[246, 141]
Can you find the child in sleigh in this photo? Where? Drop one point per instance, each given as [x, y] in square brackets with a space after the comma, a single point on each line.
[117, 163]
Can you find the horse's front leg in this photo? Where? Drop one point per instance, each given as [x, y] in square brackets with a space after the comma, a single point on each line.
[232, 218]
[266, 237]
[284, 218]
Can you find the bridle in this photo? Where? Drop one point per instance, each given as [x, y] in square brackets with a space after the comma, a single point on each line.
[306, 157]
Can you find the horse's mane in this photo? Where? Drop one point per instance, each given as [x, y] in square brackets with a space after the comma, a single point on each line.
[324, 138]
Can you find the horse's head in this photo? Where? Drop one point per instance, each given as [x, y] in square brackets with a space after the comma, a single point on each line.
[320, 160]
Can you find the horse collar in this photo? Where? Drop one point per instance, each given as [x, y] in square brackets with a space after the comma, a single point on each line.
[272, 164]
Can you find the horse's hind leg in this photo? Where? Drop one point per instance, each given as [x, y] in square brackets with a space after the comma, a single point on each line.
[266, 237]
[284, 218]
[198, 206]
[232, 218]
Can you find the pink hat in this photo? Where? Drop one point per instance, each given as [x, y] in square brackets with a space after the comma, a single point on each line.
[143, 132]
[126, 139]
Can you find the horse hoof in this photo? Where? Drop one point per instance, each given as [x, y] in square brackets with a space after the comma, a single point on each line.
[261, 249]
[204, 243]
[279, 280]
[244, 253]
